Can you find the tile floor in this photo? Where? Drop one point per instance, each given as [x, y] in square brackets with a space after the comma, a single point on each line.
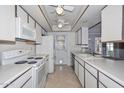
[63, 77]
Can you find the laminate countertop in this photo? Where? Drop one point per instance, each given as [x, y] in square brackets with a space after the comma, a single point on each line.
[9, 73]
[112, 68]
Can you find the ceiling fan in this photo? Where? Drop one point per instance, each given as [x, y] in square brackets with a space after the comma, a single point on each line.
[61, 23]
[61, 8]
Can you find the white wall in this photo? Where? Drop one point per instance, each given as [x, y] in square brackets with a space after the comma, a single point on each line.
[70, 43]
[17, 45]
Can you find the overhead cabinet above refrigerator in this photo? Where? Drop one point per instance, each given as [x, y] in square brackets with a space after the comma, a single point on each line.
[113, 24]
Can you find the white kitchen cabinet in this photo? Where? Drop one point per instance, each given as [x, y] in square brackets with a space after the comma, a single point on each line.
[7, 22]
[28, 84]
[101, 86]
[31, 23]
[108, 82]
[22, 15]
[22, 81]
[90, 80]
[38, 33]
[112, 23]
[81, 75]
[84, 35]
[76, 68]
[78, 37]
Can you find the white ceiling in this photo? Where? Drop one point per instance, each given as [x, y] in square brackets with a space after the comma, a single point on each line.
[48, 20]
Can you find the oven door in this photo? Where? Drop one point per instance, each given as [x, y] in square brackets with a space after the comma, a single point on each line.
[39, 76]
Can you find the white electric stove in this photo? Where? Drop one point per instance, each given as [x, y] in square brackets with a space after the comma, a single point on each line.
[22, 57]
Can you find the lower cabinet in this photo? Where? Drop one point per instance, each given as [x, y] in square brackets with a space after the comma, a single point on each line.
[91, 77]
[90, 81]
[109, 83]
[76, 68]
[24, 81]
[101, 86]
[81, 75]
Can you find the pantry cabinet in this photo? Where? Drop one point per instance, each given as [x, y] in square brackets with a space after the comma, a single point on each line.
[7, 23]
[112, 23]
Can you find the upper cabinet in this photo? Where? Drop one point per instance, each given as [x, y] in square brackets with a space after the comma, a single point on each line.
[79, 37]
[31, 23]
[82, 36]
[85, 35]
[22, 14]
[112, 24]
[38, 33]
[7, 22]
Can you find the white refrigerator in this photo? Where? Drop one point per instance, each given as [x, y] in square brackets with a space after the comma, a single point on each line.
[46, 46]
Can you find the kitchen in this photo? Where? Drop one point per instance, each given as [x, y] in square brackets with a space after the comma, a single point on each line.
[41, 44]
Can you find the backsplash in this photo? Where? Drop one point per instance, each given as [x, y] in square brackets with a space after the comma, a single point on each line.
[18, 45]
[117, 53]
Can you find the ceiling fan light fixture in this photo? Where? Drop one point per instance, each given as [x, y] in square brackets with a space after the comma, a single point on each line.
[60, 25]
[59, 10]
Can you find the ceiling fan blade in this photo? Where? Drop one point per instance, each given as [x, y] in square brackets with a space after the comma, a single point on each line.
[68, 8]
[53, 5]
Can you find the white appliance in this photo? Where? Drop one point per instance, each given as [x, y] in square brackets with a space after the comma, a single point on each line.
[47, 47]
[39, 72]
[39, 75]
[22, 57]
[24, 30]
[12, 56]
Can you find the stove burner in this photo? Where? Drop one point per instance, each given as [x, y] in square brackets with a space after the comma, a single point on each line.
[32, 62]
[39, 58]
[30, 58]
[21, 62]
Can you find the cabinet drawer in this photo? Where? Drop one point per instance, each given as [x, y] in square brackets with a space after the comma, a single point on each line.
[101, 86]
[80, 61]
[108, 82]
[28, 84]
[91, 70]
[21, 80]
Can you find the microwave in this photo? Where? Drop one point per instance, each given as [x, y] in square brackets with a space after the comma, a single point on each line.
[24, 30]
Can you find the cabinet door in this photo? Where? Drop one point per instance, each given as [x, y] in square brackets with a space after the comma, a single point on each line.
[79, 37]
[81, 75]
[76, 68]
[84, 35]
[90, 77]
[112, 23]
[31, 23]
[38, 34]
[7, 22]
[90, 81]
[101, 86]
[108, 82]
[22, 15]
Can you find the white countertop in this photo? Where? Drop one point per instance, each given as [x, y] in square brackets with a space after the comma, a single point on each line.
[112, 68]
[8, 73]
